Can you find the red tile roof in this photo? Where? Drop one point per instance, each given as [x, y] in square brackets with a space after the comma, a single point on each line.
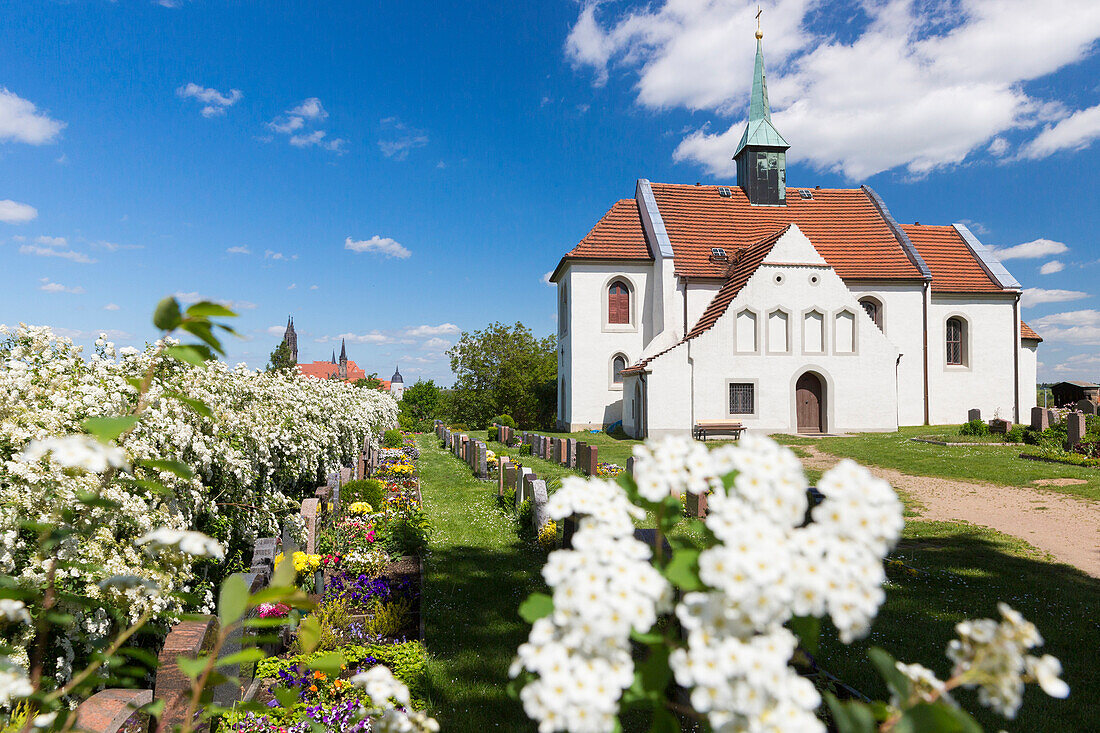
[955, 268]
[617, 235]
[844, 226]
[1026, 332]
[328, 370]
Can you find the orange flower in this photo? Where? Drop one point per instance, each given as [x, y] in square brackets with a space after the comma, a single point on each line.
[313, 688]
[318, 675]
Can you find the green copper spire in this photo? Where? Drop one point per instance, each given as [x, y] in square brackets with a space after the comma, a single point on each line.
[759, 130]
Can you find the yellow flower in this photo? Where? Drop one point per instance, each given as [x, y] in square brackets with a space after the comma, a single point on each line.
[360, 507]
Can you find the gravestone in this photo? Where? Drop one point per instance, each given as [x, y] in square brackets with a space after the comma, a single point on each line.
[974, 414]
[1075, 429]
[263, 556]
[592, 461]
[539, 500]
[547, 447]
[186, 639]
[696, 504]
[521, 484]
[529, 479]
[581, 457]
[506, 470]
[1039, 419]
[556, 451]
[571, 452]
[229, 691]
[108, 710]
[1000, 426]
[568, 529]
[1052, 417]
[630, 466]
[309, 516]
[482, 461]
[1087, 407]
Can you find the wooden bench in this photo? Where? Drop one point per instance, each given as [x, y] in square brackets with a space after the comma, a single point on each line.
[705, 428]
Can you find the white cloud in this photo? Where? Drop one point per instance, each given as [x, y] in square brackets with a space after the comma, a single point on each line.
[295, 121]
[215, 103]
[13, 212]
[239, 250]
[275, 330]
[440, 330]
[52, 287]
[1036, 296]
[436, 344]
[1030, 250]
[314, 287]
[1072, 133]
[194, 297]
[1049, 268]
[51, 241]
[111, 307]
[382, 245]
[1087, 317]
[114, 246]
[68, 254]
[998, 147]
[292, 286]
[188, 298]
[270, 254]
[917, 85]
[374, 337]
[110, 333]
[239, 305]
[20, 121]
[546, 277]
[400, 139]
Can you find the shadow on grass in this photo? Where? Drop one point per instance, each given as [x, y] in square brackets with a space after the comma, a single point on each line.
[474, 629]
[968, 570]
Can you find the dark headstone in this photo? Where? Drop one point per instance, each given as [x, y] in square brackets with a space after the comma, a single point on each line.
[696, 505]
[571, 452]
[1039, 419]
[1087, 407]
[630, 466]
[974, 414]
[1075, 429]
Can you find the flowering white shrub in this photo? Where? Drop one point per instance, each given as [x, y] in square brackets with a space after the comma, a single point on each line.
[231, 445]
[759, 566]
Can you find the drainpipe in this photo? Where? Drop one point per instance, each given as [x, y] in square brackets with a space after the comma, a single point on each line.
[927, 288]
[691, 383]
[1016, 359]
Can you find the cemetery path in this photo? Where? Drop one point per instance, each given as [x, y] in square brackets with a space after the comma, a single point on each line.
[1066, 527]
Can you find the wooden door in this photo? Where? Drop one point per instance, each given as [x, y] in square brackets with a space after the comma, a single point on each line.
[807, 395]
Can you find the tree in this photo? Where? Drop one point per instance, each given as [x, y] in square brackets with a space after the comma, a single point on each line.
[504, 369]
[421, 401]
[371, 381]
[280, 359]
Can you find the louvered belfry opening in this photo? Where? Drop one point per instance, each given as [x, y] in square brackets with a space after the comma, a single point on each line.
[618, 303]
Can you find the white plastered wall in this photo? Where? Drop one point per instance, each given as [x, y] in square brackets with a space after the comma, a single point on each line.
[987, 379]
[1029, 368]
[590, 342]
[902, 316]
[690, 383]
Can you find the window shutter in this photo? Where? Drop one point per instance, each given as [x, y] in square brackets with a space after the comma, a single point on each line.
[618, 303]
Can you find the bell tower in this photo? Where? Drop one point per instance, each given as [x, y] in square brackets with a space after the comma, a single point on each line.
[290, 337]
[762, 154]
[343, 361]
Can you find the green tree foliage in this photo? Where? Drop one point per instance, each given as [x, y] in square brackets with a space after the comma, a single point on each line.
[371, 381]
[503, 369]
[280, 359]
[421, 401]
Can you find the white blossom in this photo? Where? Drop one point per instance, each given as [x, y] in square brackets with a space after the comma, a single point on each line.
[192, 543]
[14, 685]
[76, 451]
[13, 610]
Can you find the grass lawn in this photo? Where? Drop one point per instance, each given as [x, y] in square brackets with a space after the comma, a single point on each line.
[992, 464]
[969, 569]
[476, 574]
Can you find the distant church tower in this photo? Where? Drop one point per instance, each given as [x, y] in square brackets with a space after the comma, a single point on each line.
[343, 361]
[397, 384]
[762, 154]
[290, 338]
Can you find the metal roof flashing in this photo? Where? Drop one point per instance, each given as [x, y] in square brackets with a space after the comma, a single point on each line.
[651, 218]
[989, 262]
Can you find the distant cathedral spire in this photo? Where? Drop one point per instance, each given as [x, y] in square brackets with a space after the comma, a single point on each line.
[290, 338]
[762, 153]
[343, 361]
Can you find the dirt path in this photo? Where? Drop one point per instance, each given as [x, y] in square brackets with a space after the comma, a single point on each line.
[1065, 526]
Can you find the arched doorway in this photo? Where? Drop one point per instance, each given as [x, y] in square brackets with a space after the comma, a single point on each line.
[809, 399]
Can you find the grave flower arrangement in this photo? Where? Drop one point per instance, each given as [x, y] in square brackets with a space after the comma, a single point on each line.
[745, 597]
[360, 507]
[608, 470]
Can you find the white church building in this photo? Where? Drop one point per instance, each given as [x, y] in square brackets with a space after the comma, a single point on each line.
[789, 309]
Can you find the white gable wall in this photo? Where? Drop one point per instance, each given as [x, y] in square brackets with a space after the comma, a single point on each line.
[590, 342]
[1029, 365]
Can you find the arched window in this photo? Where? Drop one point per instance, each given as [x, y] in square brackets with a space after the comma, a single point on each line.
[618, 303]
[873, 309]
[617, 366]
[956, 347]
[563, 310]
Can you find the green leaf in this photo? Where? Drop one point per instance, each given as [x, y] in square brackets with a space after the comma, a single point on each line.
[232, 600]
[202, 330]
[167, 315]
[808, 630]
[309, 634]
[244, 656]
[647, 638]
[106, 429]
[887, 668]
[197, 405]
[664, 722]
[850, 717]
[287, 698]
[155, 709]
[535, 607]
[180, 469]
[285, 594]
[154, 487]
[207, 308]
[655, 672]
[191, 353]
[329, 663]
[938, 717]
[683, 570]
[89, 499]
[285, 576]
[191, 667]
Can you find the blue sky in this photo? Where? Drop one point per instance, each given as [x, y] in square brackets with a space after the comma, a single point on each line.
[397, 172]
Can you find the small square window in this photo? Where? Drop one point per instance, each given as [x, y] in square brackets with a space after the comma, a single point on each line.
[742, 398]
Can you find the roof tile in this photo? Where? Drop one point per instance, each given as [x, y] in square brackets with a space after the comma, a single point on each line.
[954, 266]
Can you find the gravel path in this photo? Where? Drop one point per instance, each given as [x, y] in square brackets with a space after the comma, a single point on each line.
[1067, 527]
